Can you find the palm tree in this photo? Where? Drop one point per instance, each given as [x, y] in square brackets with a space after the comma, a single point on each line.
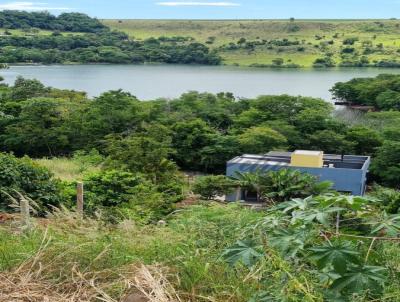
[250, 182]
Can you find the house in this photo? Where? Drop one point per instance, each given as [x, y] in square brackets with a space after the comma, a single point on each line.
[348, 173]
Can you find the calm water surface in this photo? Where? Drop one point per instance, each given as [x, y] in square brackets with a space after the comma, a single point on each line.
[154, 81]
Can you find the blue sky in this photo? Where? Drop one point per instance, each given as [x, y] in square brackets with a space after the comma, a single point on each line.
[216, 9]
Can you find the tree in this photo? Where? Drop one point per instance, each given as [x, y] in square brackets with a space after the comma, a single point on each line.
[114, 112]
[365, 141]
[381, 91]
[388, 100]
[311, 120]
[39, 129]
[260, 140]
[278, 62]
[220, 149]
[24, 89]
[386, 164]
[324, 62]
[210, 187]
[189, 139]
[146, 151]
[330, 142]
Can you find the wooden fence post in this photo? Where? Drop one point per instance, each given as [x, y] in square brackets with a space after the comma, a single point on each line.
[25, 212]
[79, 198]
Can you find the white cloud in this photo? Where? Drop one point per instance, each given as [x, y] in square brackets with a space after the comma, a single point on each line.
[181, 3]
[29, 6]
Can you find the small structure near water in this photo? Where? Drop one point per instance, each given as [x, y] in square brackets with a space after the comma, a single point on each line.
[348, 173]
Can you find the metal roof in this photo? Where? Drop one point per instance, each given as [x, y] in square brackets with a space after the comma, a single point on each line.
[284, 159]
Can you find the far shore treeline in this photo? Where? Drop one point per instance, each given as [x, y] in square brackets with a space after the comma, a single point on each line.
[39, 37]
[92, 42]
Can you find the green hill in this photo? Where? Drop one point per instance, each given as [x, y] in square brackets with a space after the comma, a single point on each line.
[301, 42]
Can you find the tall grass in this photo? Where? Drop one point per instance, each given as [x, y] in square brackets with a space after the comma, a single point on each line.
[187, 252]
[67, 168]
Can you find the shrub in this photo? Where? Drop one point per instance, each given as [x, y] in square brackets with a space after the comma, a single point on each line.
[123, 195]
[388, 198]
[111, 188]
[28, 178]
[209, 187]
[286, 184]
[324, 62]
[386, 164]
[281, 185]
[350, 41]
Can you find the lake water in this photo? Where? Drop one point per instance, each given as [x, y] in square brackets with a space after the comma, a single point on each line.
[154, 81]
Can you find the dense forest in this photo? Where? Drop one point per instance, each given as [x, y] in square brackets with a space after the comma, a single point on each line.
[90, 42]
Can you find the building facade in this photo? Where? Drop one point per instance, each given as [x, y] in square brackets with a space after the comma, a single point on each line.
[348, 173]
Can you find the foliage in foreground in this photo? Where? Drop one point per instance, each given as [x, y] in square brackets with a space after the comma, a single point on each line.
[340, 244]
[188, 249]
[227, 253]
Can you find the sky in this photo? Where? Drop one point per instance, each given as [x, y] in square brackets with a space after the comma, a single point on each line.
[216, 9]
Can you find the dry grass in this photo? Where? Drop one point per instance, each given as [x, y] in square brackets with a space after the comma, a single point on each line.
[50, 275]
[38, 280]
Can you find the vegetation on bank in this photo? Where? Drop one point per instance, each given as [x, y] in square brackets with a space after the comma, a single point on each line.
[71, 22]
[283, 43]
[35, 37]
[78, 38]
[382, 92]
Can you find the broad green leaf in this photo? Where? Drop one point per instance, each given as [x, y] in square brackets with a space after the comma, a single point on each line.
[389, 224]
[339, 255]
[361, 278]
[244, 251]
[320, 215]
[287, 241]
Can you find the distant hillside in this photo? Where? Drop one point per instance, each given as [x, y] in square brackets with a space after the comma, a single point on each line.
[39, 37]
[322, 43]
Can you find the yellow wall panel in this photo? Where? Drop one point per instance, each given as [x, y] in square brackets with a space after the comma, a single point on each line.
[305, 158]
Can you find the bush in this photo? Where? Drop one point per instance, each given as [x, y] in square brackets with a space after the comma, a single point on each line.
[388, 198]
[281, 185]
[122, 195]
[386, 164]
[324, 62]
[209, 187]
[111, 188]
[286, 184]
[28, 178]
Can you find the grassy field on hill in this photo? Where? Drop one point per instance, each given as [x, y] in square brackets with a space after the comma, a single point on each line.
[301, 42]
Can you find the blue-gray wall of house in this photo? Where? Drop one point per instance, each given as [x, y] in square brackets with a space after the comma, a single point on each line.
[344, 180]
